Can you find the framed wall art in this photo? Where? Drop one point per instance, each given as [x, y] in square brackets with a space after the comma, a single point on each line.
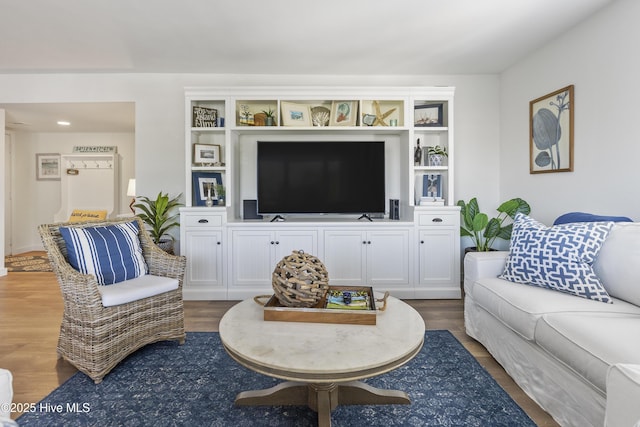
[428, 115]
[204, 117]
[551, 132]
[203, 183]
[295, 114]
[344, 113]
[206, 154]
[48, 167]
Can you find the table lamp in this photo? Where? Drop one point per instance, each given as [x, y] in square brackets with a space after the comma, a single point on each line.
[131, 192]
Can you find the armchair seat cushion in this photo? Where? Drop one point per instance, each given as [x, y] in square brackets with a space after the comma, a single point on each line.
[136, 289]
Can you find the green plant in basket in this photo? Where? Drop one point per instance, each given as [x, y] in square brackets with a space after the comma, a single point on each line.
[484, 230]
[158, 215]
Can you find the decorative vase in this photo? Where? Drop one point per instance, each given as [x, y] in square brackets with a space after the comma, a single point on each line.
[436, 159]
[300, 280]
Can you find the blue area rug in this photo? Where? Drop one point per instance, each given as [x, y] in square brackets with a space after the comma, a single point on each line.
[165, 384]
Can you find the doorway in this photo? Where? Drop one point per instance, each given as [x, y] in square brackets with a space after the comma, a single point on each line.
[8, 205]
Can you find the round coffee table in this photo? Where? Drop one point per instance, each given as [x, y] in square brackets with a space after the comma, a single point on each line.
[322, 363]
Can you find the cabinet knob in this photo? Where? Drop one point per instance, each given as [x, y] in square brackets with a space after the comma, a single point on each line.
[273, 243]
[436, 220]
[368, 242]
[422, 242]
[277, 242]
[219, 243]
[203, 221]
[364, 242]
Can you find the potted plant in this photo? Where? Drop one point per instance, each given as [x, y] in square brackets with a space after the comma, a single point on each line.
[269, 117]
[483, 230]
[437, 155]
[220, 193]
[158, 215]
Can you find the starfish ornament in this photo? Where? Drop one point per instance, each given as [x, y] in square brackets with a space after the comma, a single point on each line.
[379, 121]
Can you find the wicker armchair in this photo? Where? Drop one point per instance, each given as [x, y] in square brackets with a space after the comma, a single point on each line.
[95, 338]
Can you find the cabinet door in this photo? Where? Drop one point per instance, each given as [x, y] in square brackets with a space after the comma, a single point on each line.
[251, 259]
[344, 257]
[295, 240]
[437, 261]
[388, 257]
[203, 249]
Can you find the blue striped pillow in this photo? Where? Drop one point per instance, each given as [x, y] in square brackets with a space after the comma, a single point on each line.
[112, 253]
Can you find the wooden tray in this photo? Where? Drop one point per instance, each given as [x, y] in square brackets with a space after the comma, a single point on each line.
[274, 311]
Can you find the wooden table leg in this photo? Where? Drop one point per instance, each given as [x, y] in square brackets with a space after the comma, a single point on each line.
[359, 393]
[287, 393]
[322, 398]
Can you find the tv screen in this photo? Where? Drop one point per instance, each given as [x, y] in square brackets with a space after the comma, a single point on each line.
[314, 177]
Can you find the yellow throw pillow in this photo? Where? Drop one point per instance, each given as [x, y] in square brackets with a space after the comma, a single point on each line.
[80, 215]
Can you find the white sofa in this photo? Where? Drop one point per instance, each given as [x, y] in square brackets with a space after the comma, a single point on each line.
[6, 394]
[579, 359]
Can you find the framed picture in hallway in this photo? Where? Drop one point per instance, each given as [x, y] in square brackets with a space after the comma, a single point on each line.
[48, 167]
[551, 132]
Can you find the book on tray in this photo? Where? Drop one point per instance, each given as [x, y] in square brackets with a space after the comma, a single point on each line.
[348, 299]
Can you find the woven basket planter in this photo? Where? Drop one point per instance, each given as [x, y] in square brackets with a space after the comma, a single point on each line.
[300, 280]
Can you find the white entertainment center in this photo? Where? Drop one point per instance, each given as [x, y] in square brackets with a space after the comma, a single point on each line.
[230, 257]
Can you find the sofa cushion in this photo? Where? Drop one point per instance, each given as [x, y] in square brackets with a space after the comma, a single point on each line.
[136, 289]
[618, 263]
[520, 306]
[589, 343]
[111, 253]
[558, 257]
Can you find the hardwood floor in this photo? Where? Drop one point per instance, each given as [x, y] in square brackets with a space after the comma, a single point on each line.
[31, 309]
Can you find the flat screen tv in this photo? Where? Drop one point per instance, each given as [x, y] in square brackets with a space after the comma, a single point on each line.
[320, 177]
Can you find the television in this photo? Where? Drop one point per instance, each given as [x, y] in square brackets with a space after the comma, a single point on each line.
[321, 177]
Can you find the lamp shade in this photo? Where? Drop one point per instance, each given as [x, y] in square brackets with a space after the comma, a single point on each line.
[131, 189]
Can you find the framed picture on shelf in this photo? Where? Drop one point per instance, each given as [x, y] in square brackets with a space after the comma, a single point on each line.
[206, 154]
[48, 167]
[344, 113]
[428, 114]
[551, 132]
[245, 115]
[205, 184]
[295, 114]
[432, 185]
[204, 117]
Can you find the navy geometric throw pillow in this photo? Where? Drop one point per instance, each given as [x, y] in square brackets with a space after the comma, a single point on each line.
[111, 253]
[558, 257]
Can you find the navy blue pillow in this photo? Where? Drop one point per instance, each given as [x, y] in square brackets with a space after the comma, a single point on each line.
[112, 253]
[587, 217]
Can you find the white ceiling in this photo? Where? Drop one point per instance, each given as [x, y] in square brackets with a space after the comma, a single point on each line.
[84, 117]
[328, 37]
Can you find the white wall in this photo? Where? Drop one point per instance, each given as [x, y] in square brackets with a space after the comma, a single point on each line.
[598, 57]
[159, 137]
[36, 202]
[3, 270]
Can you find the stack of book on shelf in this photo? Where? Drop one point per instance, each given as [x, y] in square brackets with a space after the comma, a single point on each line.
[431, 201]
